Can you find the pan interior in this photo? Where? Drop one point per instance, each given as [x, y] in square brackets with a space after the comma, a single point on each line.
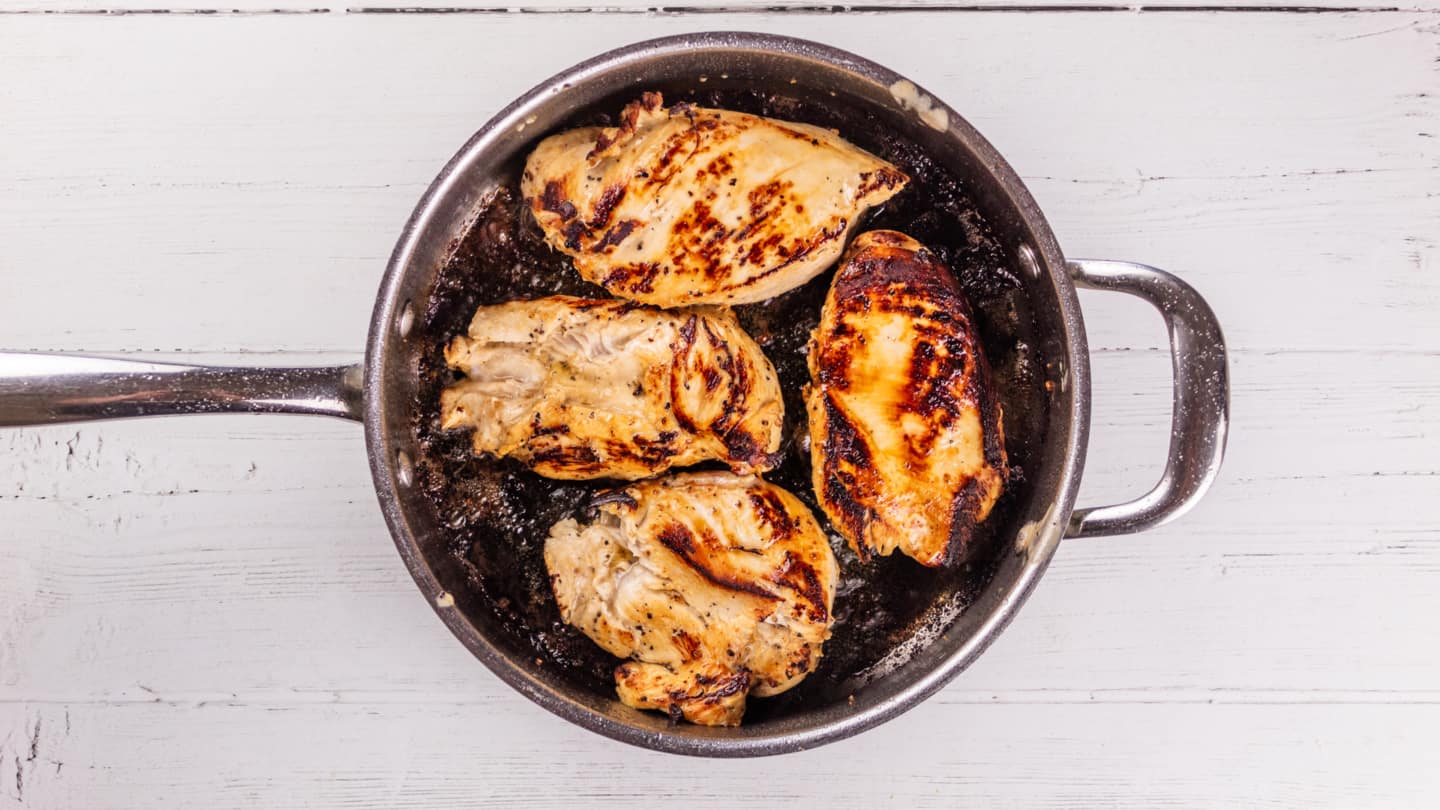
[476, 527]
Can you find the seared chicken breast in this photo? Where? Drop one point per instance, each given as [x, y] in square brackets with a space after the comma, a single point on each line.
[906, 441]
[577, 388]
[689, 205]
[715, 586]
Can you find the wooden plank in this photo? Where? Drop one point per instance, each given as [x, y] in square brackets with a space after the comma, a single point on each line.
[175, 557]
[232, 8]
[1303, 163]
[958, 755]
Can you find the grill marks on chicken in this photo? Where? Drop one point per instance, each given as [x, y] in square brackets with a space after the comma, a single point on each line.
[715, 586]
[718, 585]
[907, 446]
[580, 389]
[692, 205]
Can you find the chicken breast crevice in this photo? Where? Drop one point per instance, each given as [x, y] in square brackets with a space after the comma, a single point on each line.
[714, 586]
[579, 389]
[906, 440]
[690, 205]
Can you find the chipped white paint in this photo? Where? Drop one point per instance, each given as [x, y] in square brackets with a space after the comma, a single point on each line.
[910, 97]
[208, 611]
[319, 8]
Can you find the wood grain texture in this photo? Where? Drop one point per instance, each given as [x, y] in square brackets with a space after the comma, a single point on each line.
[651, 8]
[171, 558]
[208, 610]
[1278, 170]
[960, 755]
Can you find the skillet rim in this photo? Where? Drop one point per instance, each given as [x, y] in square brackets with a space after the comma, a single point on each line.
[1039, 538]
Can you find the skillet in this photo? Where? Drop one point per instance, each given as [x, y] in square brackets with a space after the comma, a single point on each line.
[467, 528]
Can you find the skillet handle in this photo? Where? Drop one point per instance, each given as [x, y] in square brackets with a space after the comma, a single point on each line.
[44, 389]
[1200, 418]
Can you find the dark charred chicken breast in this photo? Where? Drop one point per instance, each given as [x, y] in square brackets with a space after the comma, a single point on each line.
[578, 389]
[714, 586]
[906, 441]
[689, 205]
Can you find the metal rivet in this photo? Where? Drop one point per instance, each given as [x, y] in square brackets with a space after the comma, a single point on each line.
[404, 470]
[1028, 260]
[406, 321]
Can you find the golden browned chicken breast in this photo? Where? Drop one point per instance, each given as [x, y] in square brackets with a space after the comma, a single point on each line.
[689, 205]
[715, 586]
[577, 388]
[906, 442]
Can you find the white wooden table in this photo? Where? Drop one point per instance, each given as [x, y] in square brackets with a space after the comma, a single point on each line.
[208, 612]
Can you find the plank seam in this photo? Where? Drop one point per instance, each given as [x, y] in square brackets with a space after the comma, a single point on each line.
[1038, 697]
[733, 9]
[358, 355]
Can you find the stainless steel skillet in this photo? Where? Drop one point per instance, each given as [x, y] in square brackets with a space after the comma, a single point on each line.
[383, 392]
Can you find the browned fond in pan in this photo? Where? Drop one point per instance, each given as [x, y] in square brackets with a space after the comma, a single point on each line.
[498, 513]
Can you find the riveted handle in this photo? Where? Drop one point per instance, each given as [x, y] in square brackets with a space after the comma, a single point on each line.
[1201, 413]
[43, 389]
